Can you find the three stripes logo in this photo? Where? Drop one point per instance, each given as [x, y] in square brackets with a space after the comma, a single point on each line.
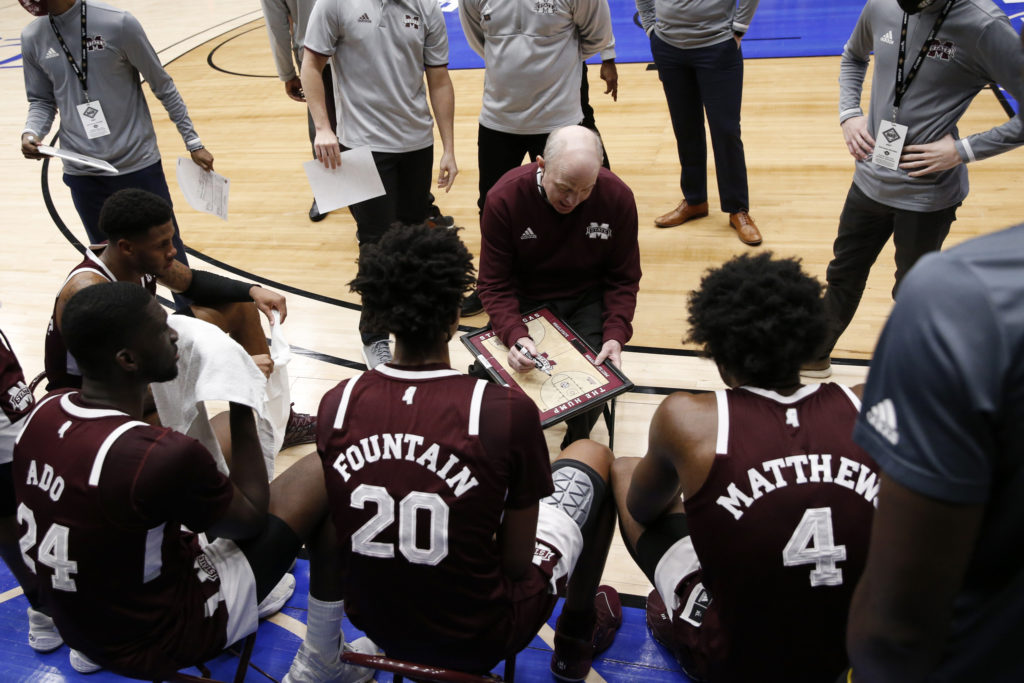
[365, 19]
[882, 416]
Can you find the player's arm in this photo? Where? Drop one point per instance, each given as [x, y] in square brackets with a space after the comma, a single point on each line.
[676, 458]
[517, 537]
[246, 516]
[900, 613]
[42, 106]
[210, 289]
[853, 67]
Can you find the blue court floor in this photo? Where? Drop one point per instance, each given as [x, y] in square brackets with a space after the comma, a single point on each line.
[634, 656]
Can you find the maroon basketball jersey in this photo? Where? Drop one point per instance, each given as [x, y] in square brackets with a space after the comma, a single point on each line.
[781, 528]
[15, 399]
[101, 501]
[61, 369]
[420, 466]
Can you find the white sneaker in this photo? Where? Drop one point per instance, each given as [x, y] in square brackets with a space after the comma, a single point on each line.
[42, 632]
[276, 598]
[308, 667]
[376, 353]
[82, 664]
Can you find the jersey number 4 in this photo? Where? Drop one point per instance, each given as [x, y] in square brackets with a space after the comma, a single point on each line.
[408, 519]
[53, 551]
[813, 543]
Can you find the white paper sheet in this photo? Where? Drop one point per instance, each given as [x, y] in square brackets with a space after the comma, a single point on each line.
[356, 180]
[76, 157]
[205, 191]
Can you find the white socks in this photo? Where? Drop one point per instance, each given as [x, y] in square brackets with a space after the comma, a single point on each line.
[323, 628]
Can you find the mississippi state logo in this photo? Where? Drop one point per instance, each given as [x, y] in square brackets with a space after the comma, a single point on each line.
[412, 21]
[600, 231]
[943, 50]
[95, 43]
[544, 7]
[19, 397]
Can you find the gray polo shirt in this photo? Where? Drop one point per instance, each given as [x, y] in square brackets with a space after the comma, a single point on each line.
[119, 54]
[976, 45]
[286, 37]
[378, 52]
[688, 24]
[943, 415]
[533, 51]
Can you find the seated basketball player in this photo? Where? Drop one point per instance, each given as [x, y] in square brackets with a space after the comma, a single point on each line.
[140, 228]
[16, 401]
[753, 580]
[102, 498]
[453, 537]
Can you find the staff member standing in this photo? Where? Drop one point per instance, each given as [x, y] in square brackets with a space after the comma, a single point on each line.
[696, 47]
[929, 65]
[85, 61]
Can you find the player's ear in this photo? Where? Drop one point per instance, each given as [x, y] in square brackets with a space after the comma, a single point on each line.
[126, 360]
[125, 245]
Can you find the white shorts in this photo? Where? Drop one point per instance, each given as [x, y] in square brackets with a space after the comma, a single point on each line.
[237, 588]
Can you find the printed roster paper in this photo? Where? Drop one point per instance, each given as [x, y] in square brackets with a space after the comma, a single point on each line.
[205, 191]
[575, 384]
[356, 180]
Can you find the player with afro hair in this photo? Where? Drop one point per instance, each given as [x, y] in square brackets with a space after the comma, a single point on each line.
[759, 318]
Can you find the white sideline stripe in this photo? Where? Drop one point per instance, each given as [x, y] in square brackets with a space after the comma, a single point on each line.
[290, 624]
[11, 594]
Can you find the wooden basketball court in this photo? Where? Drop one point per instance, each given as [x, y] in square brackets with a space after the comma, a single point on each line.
[219, 57]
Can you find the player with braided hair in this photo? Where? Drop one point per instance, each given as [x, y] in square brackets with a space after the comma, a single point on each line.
[455, 532]
[753, 579]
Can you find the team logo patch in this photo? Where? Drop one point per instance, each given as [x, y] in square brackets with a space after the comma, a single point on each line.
[544, 7]
[942, 50]
[599, 231]
[542, 554]
[412, 21]
[365, 19]
[696, 605]
[95, 43]
[205, 571]
[528, 234]
[887, 38]
[19, 397]
[51, 54]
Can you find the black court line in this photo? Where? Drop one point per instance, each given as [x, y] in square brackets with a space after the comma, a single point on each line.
[209, 57]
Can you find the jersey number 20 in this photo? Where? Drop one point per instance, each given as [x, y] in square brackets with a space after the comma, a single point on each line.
[408, 516]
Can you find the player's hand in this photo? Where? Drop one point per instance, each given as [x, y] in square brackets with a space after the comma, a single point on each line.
[738, 39]
[446, 176]
[517, 360]
[203, 157]
[269, 301]
[328, 152]
[931, 157]
[293, 88]
[30, 146]
[610, 350]
[858, 140]
[610, 76]
[265, 363]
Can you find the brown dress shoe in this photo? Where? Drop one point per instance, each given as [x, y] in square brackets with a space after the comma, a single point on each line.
[745, 228]
[682, 213]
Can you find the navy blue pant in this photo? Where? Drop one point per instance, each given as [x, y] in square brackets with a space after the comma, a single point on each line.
[88, 192]
[698, 80]
[406, 200]
[864, 228]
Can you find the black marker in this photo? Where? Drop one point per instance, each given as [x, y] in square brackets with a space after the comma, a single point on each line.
[540, 362]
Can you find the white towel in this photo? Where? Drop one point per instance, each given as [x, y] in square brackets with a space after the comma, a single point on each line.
[213, 367]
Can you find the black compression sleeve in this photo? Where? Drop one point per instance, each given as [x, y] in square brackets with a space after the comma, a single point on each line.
[210, 288]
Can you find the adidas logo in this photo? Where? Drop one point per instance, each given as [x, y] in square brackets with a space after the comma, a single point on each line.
[51, 53]
[365, 19]
[887, 38]
[528, 234]
[882, 416]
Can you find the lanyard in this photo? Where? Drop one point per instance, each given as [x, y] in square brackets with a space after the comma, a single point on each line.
[903, 85]
[82, 73]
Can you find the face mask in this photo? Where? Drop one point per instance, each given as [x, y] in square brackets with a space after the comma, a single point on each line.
[37, 8]
[914, 6]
